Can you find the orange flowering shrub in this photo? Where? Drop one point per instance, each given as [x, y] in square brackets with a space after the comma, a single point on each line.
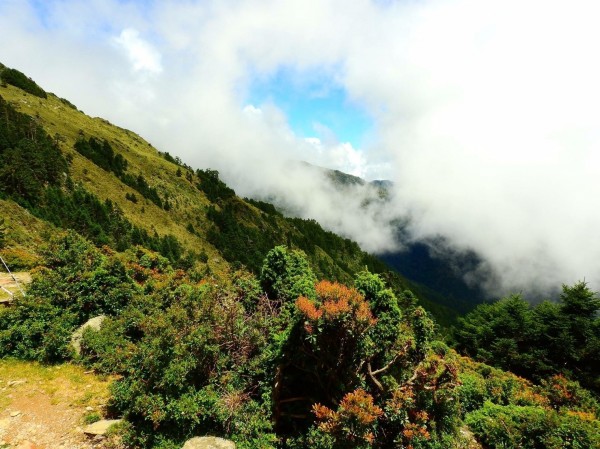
[308, 308]
[355, 419]
[565, 393]
[337, 301]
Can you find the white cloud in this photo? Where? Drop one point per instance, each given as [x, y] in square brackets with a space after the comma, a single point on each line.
[487, 113]
[252, 110]
[143, 57]
[339, 156]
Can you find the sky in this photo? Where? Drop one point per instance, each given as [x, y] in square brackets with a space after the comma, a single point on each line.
[485, 115]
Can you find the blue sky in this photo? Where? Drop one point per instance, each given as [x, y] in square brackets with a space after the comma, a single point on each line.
[311, 100]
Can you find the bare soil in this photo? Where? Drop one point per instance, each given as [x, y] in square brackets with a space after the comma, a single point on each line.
[46, 407]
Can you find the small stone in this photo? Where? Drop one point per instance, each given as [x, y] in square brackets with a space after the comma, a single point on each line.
[100, 427]
[89, 409]
[15, 414]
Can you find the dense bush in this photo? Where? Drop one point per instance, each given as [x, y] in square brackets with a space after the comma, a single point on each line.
[538, 341]
[504, 426]
[20, 80]
[310, 364]
[77, 282]
[214, 189]
[102, 154]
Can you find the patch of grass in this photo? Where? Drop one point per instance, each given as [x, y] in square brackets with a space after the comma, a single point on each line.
[63, 383]
[91, 417]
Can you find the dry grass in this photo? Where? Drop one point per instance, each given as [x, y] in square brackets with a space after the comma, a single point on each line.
[66, 385]
[188, 203]
[7, 282]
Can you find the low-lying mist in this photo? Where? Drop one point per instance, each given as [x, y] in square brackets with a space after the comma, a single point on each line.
[486, 115]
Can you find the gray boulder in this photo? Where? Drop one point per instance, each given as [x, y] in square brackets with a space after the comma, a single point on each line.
[93, 323]
[208, 443]
[100, 427]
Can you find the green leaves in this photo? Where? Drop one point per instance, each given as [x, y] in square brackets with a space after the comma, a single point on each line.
[498, 426]
[537, 341]
[286, 275]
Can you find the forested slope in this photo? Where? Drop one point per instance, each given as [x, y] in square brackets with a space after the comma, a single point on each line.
[113, 187]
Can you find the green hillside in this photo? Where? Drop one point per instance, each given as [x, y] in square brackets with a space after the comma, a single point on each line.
[216, 315]
[165, 197]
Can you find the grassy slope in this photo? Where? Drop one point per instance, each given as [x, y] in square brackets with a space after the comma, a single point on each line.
[189, 205]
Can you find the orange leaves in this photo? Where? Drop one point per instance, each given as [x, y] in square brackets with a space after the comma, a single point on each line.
[402, 398]
[308, 308]
[354, 419]
[583, 416]
[412, 431]
[337, 301]
[359, 405]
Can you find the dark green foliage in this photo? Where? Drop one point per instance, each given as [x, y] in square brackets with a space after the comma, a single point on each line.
[236, 237]
[214, 189]
[131, 197]
[539, 341]
[102, 154]
[140, 184]
[511, 426]
[267, 208]
[170, 158]
[245, 237]
[18, 79]
[29, 158]
[286, 275]
[77, 283]
[169, 246]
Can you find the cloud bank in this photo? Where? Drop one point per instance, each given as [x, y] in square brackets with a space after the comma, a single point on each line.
[486, 114]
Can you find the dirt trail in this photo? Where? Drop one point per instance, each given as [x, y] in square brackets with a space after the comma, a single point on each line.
[45, 407]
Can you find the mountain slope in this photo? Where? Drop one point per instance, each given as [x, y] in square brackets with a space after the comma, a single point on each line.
[186, 214]
[284, 360]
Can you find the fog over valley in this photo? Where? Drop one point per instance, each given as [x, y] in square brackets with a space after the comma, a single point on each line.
[484, 115]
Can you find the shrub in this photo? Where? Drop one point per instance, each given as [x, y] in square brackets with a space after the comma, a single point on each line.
[498, 426]
[20, 80]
